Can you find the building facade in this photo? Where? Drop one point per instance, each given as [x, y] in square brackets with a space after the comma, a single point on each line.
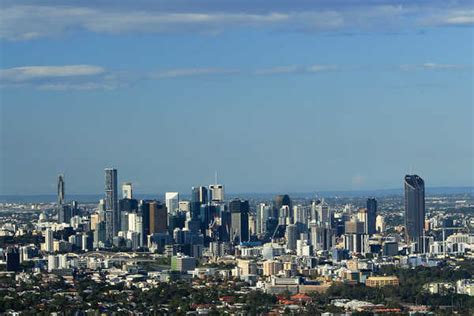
[414, 210]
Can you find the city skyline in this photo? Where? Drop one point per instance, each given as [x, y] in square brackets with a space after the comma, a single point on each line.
[187, 191]
[237, 157]
[294, 96]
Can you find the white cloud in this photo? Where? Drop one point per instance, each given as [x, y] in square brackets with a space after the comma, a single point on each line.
[191, 72]
[294, 69]
[21, 74]
[434, 66]
[319, 68]
[66, 77]
[31, 21]
[278, 70]
[450, 18]
[90, 77]
[76, 86]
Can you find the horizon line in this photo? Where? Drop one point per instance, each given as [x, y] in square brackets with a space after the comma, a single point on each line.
[268, 192]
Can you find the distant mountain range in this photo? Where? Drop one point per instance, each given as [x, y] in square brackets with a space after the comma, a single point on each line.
[90, 198]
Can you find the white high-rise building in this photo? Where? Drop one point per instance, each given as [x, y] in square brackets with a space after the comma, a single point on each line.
[63, 263]
[362, 216]
[172, 202]
[84, 242]
[217, 192]
[53, 262]
[48, 240]
[135, 224]
[324, 215]
[263, 213]
[284, 217]
[380, 224]
[303, 248]
[127, 192]
[301, 214]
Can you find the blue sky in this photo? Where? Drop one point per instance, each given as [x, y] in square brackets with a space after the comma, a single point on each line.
[277, 96]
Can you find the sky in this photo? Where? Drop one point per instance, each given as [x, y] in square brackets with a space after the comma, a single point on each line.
[274, 96]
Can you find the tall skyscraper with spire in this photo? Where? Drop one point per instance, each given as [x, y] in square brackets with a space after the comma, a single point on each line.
[111, 203]
[216, 191]
[61, 190]
[64, 211]
[414, 209]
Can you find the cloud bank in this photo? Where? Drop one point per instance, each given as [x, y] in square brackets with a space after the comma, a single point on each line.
[91, 77]
[27, 20]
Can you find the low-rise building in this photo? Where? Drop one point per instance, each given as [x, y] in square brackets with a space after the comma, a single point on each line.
[183, 263]
[379, 281]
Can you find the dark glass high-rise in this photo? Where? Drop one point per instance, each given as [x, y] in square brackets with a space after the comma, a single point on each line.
[414, 209]
[239, 210]
[371, 215]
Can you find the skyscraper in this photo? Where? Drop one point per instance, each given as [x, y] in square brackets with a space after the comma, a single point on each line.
[128, 205]
[99, 235]
[144, 212]
[264, 211]
[172, 202]
[63, 210]
[363, 217]
[301, 218]
[414, 209]
[158, 218]
[135, 224]
[314, 210]
[278, 202]
[239, 220]
[216, 192]
[111, 203]
[321, 236]
[355, 238]
[324, 214]
[371, 215]
[127, 192]
[61, 190]
[380, 224]
[199, 196]
[291, 236]
[48, 240]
